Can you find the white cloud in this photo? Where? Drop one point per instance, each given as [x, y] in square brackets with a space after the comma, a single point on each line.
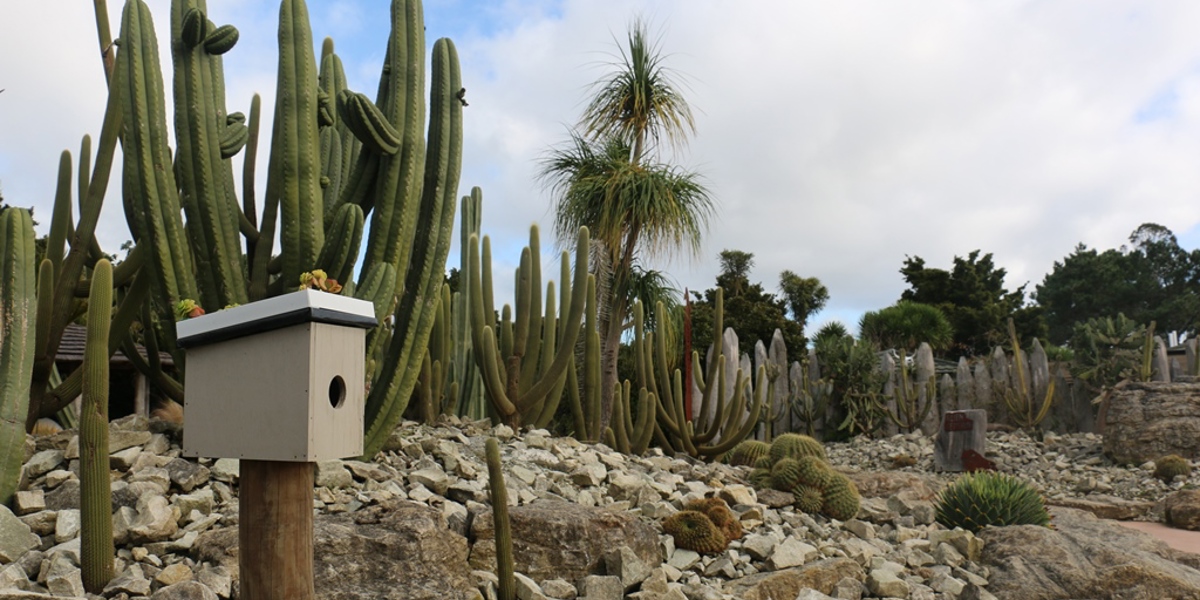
[837, 137]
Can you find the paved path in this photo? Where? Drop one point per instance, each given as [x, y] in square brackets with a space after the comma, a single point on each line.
[1180, 539]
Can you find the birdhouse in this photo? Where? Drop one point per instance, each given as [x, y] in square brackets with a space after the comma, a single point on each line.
[280, 379]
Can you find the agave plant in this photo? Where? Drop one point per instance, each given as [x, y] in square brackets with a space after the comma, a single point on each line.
[986, 498]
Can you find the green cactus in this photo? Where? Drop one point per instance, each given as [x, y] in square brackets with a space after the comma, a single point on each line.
[1171, 466]
[913, 400]
[718, 512]
[748, 452]
[977, 500]
[808, 401]
[785, 474]
[1025, 410]
[809, 499]
[795, 445]
[525, 370]
[18, 304]
[463, 369]
[503, 527]
[95, 497]
[814, 471]
[631, 437]
[841, 499]
[760, 477]
[693, 530]
[715, 429]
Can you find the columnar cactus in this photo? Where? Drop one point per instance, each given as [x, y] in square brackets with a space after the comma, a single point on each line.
[463, 369]
[502, 526]
[18, 304]
[624, 434]
[95, 496]
[524, 375]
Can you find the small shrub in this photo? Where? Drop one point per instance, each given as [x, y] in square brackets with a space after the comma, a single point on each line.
[977, 500]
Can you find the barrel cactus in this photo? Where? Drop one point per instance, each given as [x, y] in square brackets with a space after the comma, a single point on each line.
[693, 530]
[984, 498]
[748, 452]
[718, 512]
[841, 500]
[1171, 466]
[795, 445]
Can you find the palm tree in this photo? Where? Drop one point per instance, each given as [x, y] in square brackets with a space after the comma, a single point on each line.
[607, 178]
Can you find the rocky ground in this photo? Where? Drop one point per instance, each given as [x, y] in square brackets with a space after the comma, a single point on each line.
[415, 523]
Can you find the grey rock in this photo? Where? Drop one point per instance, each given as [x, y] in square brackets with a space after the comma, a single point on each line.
[225, 469]
[601, 587]
[1148, 420]
[66, 525]
[186, 475]
[31, 501]
[188, 590]
[624, 563]
[43, 462]
[791, 553]
[885, 584]
[527, 589]
[15, 536]
[156, 520]
[64, 496]
[822, 575]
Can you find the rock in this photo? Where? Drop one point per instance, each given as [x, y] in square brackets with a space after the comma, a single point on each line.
[43, 462]
[15, 536]
[156, 519]
[332, 474]
[1148, 420]
[29, 501]
[186, 475]
[884, 583]
[625, 564]
[821, 575]
[1183, 509]
[435, 480]
[64, 496]
[776, 498]
[1084, 557]
[358, 554]
[188, 590]
[527, 589]
[791, 553]
[133, 584]
[1107, 507]
[560, 589]
[601, 587]
[917, 486]
[66, 526]
[225, 469]
[552, 539]
[734, 495]
[173, 574]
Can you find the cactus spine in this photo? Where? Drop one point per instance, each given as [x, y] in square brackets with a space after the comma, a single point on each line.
[95, 501]
[504, 549]
[17, 337]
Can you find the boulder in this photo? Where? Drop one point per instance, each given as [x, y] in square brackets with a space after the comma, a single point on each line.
[1151, 419]
[822, 575]
[555, 539]
[917, 486]
[1183, 509]
[1107, 507]
[394, 551]
[1085, 557]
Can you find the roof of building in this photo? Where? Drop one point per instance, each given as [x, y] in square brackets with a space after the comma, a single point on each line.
[70, 349]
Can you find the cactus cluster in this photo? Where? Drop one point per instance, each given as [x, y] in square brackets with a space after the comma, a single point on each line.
[1172, 466]
[797, 463]
[705, 526]
[977, 500]
[747, 453]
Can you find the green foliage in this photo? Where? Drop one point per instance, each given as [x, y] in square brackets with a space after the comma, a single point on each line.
[804, 295]
[694, 531]
[852, 371]
[973, 297]
[985, 498]
[1109, 350]
[1152, 279]
[752, 312]
[905, 325]
[913, 399]
[1171, 466]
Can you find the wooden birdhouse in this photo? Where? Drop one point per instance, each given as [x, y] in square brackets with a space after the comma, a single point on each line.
[280, 379]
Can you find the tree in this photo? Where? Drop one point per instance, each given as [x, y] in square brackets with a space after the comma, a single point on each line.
[805, 296]
[752, 312]
[1152, 280]
[905, 325]
[608, 178]
[974, 298]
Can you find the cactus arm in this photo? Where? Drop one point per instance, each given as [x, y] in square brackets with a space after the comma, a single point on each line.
[341, 243]
[56, 242]
[95, 498]
[502, 526]
[17, 340]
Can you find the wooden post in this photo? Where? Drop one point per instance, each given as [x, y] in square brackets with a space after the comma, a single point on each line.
[961, 430]
[275, 530]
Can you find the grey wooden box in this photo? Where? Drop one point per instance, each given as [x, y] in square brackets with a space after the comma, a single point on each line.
[281, 379]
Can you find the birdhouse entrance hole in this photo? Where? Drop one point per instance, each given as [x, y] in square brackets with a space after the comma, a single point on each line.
[337, 391]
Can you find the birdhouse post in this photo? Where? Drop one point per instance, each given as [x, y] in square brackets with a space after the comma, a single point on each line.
[278, 384]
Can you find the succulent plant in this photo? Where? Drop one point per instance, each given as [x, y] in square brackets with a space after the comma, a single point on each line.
[984, 498]
[809, 499]
[814, 471]
[748, 453]
[693, 530]
[841, 498]
[1171, 466]
[760, 477]
[503, 527]
[95, 494]
[718, 512]
[785, 474]
[795, 445]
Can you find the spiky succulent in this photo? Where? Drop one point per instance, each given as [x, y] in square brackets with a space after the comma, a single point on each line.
[809, 499]
[718, 512]
[795, 445]
[748, 452]
[841, 499]
[693, 530]
[814, 471]
[984, 498]
[763, 462]
[785, 474]
[1171, 466]
[760, 477]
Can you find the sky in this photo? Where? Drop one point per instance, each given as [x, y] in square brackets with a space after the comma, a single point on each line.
[836, 138]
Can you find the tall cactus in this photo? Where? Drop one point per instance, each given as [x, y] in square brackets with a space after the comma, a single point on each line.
[95, 498]
[524, 375]
[18, 304]
[463, 369]
[502, 526]
[625, 434]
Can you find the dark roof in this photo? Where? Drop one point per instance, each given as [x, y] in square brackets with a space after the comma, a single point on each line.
[70, 349]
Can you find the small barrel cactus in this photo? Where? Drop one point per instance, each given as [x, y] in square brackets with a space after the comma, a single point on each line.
[809, 499]
[718, 512]
[984, 498]
[795, 445]
[785, 474]
[748, 452]
[693, 530]
[1171, 466]
[841, 500]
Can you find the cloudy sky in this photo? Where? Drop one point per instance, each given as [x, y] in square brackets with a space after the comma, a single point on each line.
[836, 137]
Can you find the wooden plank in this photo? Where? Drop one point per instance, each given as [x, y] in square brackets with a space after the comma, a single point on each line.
[961, 430]
[275, 530]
